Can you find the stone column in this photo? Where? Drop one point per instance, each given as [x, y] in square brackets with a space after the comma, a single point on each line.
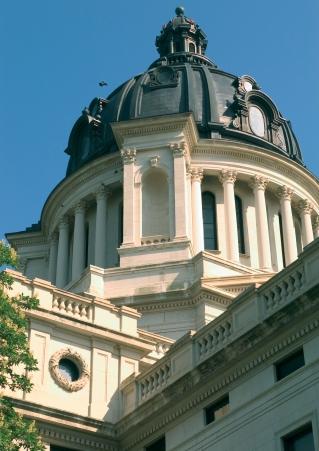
[305, 212]
[53, 257]
[79, 241]
[63, 254]
[197, 210]
[128, 157]
[259, 184]
[180, 190]
[316, 227]
[228, 177]
[100, 228]
[289, 234]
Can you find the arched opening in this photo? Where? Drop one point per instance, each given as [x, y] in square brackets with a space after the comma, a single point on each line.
[191, 47]
[155, 204]
[209, 221]
[240, 224]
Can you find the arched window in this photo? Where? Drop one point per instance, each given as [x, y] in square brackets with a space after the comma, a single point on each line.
[155, 203]
[209, 221]
[240, 224]
[191, 48]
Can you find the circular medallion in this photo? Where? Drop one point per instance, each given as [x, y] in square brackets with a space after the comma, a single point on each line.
[69, 369]
[256, 121]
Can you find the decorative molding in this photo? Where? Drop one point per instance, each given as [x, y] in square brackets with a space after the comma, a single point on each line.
[285, 193]
[56, 374]
[227, 175]
[259, 182]
[128, 155]
[74, 438]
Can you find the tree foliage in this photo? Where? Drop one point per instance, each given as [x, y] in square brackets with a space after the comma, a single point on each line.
[16, 361]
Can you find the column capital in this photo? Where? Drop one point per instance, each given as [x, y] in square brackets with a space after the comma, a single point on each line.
[259, 182]
[102, 192]
[196, 174]
[316, 222]
[128, 155]
[227, 175]
[63, 222]
[305, 206]
[54, 237]
[179, 149]
[79, 207]
[284, 192]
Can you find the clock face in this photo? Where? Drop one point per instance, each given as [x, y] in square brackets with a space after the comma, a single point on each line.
[247, 86]
[256, 121]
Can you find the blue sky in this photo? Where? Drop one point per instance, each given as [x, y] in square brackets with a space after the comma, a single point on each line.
[54, 53]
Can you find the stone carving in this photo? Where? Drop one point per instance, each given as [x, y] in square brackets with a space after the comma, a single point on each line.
[305, 206]
[227, 175]
[284, 192]
[102, 192]
[179, 149]
[163, 77]
[128, 155]
[197, 174]
[259, 182]
[154, 161]
[62, 381]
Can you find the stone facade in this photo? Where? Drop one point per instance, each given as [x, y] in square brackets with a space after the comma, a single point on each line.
[176, 276]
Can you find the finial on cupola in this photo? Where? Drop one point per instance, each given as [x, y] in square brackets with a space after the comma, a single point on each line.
[180, 11]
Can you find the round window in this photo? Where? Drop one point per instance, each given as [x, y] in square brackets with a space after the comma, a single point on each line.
[256, 121]
[69, 370]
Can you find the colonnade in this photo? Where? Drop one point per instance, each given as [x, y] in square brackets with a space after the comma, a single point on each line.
[258, 184]
[60, 241]
[63, 255]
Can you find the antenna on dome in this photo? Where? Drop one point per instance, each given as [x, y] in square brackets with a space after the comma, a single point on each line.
[179, 11]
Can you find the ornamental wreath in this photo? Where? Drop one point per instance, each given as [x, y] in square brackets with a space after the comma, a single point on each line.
[62, 381]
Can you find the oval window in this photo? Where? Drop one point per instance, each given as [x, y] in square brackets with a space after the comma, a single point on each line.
[256, 121]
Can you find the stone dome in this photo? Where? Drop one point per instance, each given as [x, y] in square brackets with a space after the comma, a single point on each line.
[184, 80]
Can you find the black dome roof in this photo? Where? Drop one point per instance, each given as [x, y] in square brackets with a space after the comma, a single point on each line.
[183, 80]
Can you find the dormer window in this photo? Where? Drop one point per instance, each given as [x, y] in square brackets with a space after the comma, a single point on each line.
[257, 121]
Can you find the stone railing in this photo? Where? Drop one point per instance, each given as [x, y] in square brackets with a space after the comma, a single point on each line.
[154, 381]
[247, 311]
[67, 305]
[88, 308]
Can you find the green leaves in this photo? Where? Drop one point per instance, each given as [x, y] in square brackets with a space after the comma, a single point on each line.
[15, 359]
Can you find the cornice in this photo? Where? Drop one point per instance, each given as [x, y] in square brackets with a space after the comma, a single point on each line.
[241, 153]
[155, 125]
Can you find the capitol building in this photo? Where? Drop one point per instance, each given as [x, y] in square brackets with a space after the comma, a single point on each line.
[177, 269]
